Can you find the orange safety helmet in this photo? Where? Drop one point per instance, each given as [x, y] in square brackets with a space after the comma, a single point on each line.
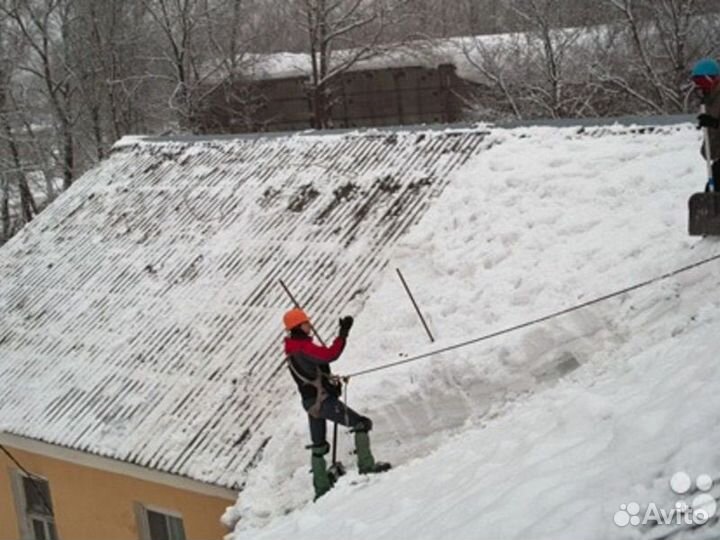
[294, 317]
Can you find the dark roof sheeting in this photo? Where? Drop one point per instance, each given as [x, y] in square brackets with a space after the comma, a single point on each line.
[141, 310]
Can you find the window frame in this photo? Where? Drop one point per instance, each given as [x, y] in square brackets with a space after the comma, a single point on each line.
[143, 522]
[25, 518]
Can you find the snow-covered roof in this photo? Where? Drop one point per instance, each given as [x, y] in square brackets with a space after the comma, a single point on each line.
[466, 53]
[426, 54]
[463, 52]
[543, 432]
[141, 310]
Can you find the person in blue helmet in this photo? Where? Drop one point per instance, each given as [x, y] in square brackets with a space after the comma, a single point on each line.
[706, 77]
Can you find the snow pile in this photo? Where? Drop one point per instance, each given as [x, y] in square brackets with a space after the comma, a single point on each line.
[545, 432]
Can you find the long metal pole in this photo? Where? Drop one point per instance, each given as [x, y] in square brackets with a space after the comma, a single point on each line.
[708, 158]
[414, 303]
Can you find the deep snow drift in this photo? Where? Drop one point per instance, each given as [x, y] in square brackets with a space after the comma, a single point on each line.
[545, 432]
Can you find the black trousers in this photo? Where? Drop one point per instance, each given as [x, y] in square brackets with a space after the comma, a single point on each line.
[335, 411]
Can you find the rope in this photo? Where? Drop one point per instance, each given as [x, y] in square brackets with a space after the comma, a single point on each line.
[32, 478]
[346, 383]
[538, 320]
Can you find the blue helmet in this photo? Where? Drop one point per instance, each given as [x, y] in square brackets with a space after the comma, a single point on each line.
[707, 67]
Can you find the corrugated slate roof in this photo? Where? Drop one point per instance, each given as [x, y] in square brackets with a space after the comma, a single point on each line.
[141, 311]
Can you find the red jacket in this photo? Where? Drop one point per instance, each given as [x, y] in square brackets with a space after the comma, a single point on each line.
[312, 361]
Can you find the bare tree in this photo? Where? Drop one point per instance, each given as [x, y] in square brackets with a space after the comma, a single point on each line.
[13, 179]
[205, 46]
[95, 64]
[226, 82]
[178, 22]
[538, 72]
[551, 47]
[74, 77]
[341, 34]
[491, 60]
[660, 40]
[117, 84]
[45, 27]
[636, 63]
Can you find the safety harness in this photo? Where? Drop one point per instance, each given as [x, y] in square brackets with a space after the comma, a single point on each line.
[317, 383]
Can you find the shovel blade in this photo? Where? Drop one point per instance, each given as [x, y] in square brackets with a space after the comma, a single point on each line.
[704, 214]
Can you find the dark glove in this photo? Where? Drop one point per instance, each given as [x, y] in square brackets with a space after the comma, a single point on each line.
[707, 121]
[345, 325]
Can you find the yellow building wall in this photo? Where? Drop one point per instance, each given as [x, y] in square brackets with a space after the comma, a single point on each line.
[91, 504]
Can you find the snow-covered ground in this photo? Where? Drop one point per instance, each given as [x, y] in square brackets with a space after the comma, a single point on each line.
[545, 432]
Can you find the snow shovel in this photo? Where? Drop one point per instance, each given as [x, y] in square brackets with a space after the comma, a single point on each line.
[704, 208]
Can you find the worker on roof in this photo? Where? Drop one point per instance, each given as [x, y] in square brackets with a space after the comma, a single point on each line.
[706, 77]
[309, 365]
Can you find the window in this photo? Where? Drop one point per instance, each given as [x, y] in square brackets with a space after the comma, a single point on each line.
[155, 524]
[34, 507]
